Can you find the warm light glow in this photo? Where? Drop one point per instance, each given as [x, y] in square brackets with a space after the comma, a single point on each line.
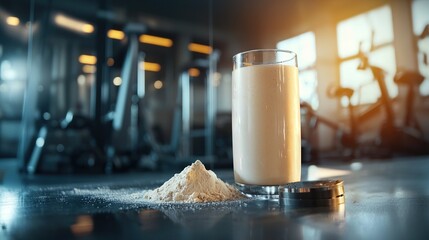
[73, 24]
[150, 66]
[317, 173]
[110, 62]
[87, 28]
[115, 34]
[158, 84]
[154, 40]
[87, 59]
[371, 33]
[194, 72]
[83, 226]
[117, 81]
[90, 69]
[200, 48]
[12, 21]
[304, 45]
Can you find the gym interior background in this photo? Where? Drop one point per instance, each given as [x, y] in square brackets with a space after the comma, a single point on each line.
[104, 86]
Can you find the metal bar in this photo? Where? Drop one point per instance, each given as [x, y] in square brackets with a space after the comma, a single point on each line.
[100, 78]
[124, 94]
[211, 105]
[37, 150]
[26, 109]
[186, 114]
[141, 80]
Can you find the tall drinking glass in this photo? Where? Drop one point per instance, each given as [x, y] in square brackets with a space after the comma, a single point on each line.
[266, 120]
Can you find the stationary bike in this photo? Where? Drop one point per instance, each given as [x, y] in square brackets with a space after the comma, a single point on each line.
[392, 139]
[407, 139]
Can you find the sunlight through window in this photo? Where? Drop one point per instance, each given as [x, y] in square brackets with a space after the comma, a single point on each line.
[304, 46]
[372, 34]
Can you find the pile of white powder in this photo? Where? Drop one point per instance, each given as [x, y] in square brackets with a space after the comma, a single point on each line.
[193, 184]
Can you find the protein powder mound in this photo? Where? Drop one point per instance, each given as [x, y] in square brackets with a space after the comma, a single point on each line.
[193, 184]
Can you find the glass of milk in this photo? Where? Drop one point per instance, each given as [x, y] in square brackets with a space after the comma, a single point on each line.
[265, 121]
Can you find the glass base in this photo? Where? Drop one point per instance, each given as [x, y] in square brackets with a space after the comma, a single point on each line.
[260, 191]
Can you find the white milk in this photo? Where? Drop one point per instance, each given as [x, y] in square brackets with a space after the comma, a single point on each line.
[266, 125]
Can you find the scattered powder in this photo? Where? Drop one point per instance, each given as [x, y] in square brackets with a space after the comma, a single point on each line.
[193, 184]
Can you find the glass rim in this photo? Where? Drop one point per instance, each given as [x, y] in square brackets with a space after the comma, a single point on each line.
[272, 50]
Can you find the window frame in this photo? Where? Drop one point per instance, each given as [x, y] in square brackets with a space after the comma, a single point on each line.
[374, 47]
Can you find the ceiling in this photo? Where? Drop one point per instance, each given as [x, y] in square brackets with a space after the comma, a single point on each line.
[245, 23]
[236, 17]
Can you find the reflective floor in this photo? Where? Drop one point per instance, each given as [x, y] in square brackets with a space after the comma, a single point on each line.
[384, 200]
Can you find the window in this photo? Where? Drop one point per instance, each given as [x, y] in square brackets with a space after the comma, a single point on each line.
[304, 46]
[420, 21]
[372, 33]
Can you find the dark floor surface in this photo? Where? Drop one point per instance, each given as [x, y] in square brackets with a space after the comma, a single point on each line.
[386, 199]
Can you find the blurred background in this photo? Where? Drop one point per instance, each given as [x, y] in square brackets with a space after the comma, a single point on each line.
[108, 85]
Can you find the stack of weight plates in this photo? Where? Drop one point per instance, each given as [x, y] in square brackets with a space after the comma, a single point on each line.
[325, 193]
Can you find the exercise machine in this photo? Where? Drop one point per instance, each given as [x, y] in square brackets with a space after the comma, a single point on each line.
[392, 139]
